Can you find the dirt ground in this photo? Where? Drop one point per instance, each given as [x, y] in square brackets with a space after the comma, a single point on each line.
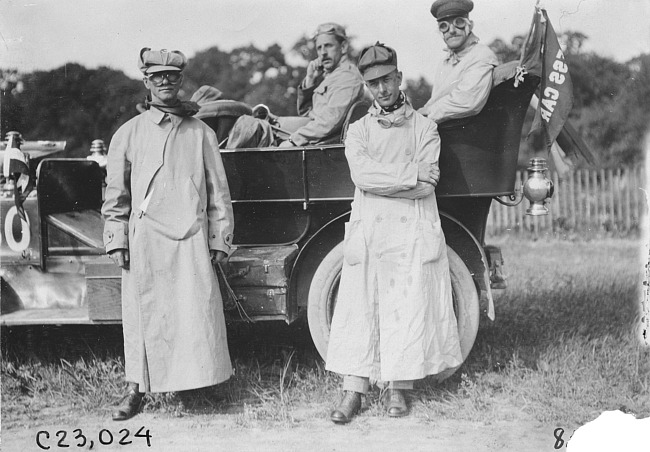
[220, 433]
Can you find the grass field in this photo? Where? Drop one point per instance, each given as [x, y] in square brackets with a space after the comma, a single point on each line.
[565, 346]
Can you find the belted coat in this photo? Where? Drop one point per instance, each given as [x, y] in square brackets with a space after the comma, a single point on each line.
[394, 317]
[168, 203]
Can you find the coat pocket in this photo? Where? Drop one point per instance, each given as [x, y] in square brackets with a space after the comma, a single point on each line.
[354, 243]
[430, 239]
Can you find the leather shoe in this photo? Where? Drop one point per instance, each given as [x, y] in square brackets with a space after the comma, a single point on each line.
[131, 404]
[396, 403]
[348, 407]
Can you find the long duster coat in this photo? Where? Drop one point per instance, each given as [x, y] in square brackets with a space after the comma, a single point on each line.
[168, 203]
[394, 317]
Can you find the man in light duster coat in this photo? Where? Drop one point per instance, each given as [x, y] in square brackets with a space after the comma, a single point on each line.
[168, 215]
[394, 318]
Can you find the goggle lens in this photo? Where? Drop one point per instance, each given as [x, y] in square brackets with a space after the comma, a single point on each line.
[457, 22]
[386, 123]
[157, 77]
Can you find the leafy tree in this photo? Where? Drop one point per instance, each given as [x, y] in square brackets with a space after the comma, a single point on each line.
[616, 123]
[76, 104]
[247, 74]
[508, 51]
[595, 78]
[11, 110]
[418, 92]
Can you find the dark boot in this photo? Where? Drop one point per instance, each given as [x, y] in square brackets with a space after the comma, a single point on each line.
[348, 407]
[131, 404]
[396, 403]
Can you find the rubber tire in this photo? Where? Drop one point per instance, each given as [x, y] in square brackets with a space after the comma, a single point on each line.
[324, 288]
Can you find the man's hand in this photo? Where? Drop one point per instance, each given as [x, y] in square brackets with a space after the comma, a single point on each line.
[217, 256]
[120, 257]
[429, 172]
[314, 72]
[286, 144]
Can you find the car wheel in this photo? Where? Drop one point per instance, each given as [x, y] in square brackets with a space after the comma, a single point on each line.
[324, 289]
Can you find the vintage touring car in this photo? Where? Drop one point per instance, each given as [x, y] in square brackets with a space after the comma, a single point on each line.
[290, 207]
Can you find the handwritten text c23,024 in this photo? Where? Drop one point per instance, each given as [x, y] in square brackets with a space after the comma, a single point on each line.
[65, 439]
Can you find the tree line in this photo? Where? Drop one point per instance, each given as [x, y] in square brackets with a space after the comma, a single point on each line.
[78, 104]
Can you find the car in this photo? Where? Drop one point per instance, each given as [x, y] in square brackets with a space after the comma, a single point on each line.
[290, 207]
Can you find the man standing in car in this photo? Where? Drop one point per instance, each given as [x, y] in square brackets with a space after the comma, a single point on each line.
[394, 319]
[331, 86]
[463, 79]
[168, 219]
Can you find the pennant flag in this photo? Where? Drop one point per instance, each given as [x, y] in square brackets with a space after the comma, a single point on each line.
[556, 89]
[541, 56]
[16, 166]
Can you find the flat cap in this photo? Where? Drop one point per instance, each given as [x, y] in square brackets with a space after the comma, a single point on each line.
[442, 9]
[330, 28]
[377, 61]
[161, 60]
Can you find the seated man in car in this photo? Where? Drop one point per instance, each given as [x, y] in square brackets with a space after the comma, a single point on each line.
[463, 79]
[332, 84]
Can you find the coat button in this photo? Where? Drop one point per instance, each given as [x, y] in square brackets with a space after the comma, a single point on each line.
[408, 152]
[403, 219]
[140, 214]
[378, 219]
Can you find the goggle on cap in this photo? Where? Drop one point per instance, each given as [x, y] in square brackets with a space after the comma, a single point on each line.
[330, 28]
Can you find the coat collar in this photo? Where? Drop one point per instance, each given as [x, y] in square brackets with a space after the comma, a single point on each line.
[156, 116]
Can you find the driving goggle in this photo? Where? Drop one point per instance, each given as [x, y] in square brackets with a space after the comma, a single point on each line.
[157, 77]
[386, 123]
[329, 29]
[457, 22]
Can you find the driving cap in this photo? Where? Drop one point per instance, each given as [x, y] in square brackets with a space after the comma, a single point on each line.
[330, 28]
[161, 60]
[377, 61]
[442, 9]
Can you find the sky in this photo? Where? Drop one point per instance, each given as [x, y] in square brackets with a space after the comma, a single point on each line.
[46, 34]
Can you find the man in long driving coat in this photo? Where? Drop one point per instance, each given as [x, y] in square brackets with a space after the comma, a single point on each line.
[394, 318]
[168, 218]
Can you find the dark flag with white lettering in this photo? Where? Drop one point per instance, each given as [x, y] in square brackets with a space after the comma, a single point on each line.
[556, 89]
[541, 56]
[16, 166]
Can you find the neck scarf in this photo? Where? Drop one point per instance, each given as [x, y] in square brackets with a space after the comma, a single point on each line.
[453, 57]
[398, 103]
[180, 108]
